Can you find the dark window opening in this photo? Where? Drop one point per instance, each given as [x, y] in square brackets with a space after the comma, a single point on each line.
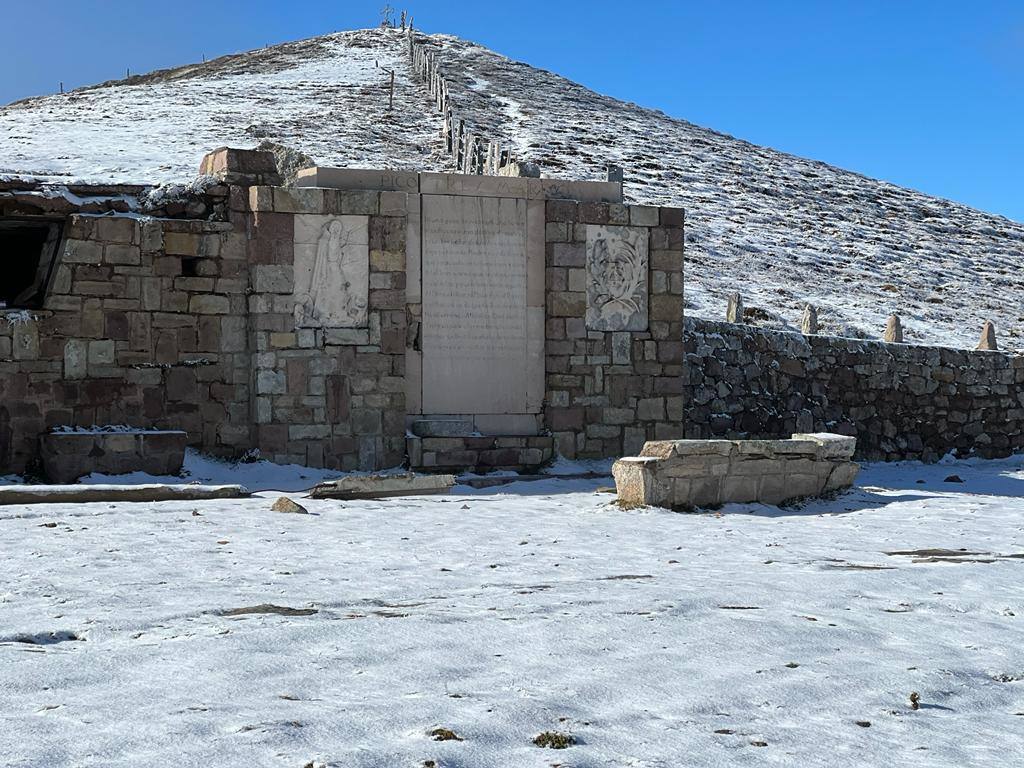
[27, 249]
[190, 266]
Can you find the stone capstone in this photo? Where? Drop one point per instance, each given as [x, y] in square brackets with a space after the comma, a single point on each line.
[82, 494]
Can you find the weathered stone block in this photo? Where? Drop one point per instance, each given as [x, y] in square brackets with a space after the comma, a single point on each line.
[692, 473]
[209, 304]
[272, 278]
[122, 254]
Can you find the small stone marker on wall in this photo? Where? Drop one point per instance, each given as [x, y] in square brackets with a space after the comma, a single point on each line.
[809, 322]
[893, 330]
[988, 336]
[734, 309]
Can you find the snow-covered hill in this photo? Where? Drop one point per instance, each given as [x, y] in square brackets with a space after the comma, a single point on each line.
[780, 229]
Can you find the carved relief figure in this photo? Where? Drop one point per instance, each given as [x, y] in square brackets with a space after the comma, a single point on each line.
[332, 290]
[617, 279]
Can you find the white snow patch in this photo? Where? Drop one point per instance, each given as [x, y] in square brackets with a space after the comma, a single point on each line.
[645, 634]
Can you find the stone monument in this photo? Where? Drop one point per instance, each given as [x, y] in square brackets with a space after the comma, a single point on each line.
[988, 336]
[734, 309]
[809, 322]
[893, 330]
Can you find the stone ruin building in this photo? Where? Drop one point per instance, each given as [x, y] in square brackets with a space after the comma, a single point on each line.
[484, 319]
[358, 319]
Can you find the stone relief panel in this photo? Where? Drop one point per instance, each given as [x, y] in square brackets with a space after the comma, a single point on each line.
[617, 282]
[332, 271]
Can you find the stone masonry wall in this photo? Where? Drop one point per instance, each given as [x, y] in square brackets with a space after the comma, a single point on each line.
[144, 324]
[332, 397]
[608, 392]
[181, 324]
[899, 401]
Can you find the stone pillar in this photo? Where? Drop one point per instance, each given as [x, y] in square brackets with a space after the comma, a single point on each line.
[734, 309]
[893, 330]
[988, 336]
[809, 322]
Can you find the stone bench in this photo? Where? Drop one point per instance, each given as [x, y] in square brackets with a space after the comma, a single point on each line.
[683, 474]
[68, 456]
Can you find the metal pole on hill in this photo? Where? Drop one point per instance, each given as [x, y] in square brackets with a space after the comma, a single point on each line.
[391, 94]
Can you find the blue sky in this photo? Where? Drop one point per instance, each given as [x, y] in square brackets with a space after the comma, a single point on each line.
[928, 95]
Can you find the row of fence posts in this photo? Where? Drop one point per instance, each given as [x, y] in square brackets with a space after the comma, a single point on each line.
[893, 326]
[471, 152]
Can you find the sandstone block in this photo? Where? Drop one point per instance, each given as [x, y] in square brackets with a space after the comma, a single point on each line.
[122, 254]
[694, 473]
[209, 304]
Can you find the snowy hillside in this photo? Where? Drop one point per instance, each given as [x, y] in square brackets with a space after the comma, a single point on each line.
[780, 229]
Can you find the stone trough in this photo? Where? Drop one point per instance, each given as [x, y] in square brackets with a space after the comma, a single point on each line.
[69, 455]
[684, 474]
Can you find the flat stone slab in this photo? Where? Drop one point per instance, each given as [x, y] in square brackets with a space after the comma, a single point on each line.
[81, 494]
[493, 482]
[442, 428]
[383, 486]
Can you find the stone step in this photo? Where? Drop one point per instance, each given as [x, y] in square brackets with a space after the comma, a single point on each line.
[481, 453]
[442, 428]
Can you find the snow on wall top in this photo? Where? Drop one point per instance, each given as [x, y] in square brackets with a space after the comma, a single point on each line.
[780, 229]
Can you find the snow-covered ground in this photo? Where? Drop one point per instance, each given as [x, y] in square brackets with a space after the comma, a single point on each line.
[755, 635]
[780, 229]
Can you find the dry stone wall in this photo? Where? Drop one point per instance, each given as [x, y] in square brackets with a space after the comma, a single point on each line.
[899, 401]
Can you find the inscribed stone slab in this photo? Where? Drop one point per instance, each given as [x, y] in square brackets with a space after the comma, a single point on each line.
[475, 351]
[617, 259]
[332, 271]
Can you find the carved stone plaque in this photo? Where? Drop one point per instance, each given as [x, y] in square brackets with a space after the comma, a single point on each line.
[332, 271]
[617, 259]
[475, 352]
